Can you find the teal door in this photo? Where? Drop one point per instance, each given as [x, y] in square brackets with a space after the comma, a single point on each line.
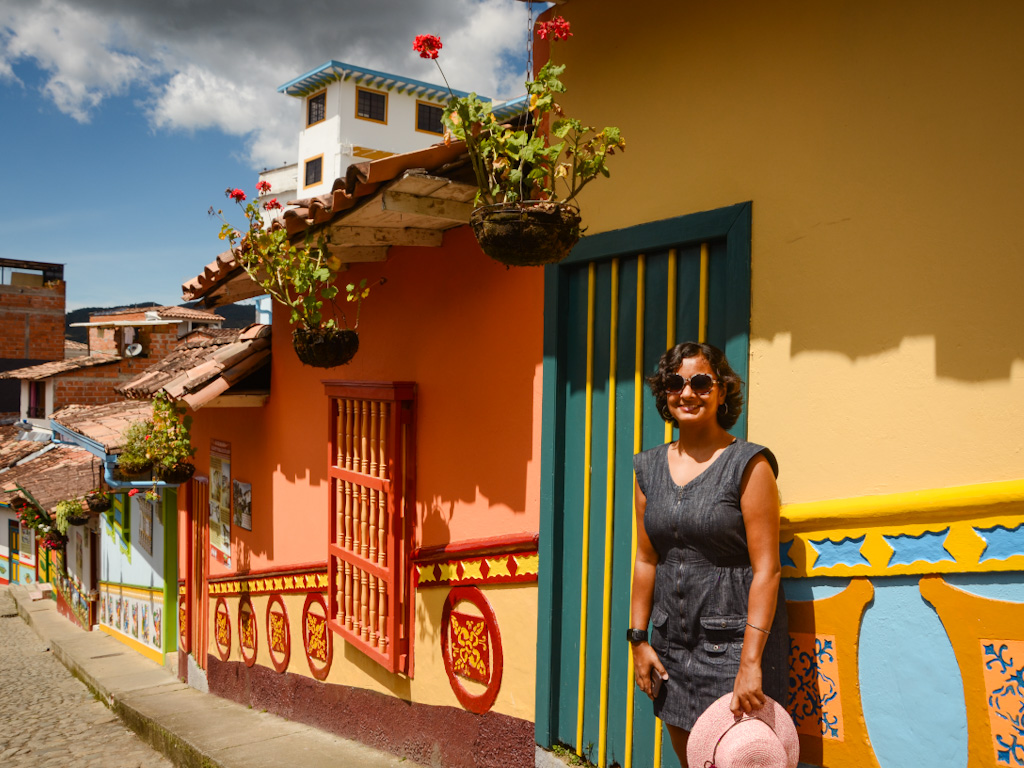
[611, 310]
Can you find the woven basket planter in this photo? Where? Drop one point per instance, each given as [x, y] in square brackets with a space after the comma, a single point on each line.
[99, 502]
[133, 471]
[526, 234]
[175, 475]
[325, 348]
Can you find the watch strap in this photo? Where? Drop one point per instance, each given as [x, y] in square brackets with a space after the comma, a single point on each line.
[636, 635]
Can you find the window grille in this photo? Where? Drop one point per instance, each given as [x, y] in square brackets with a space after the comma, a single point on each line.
[372, 475]
[428, 118]
[316, 108]
[372, 105]
[314, 170]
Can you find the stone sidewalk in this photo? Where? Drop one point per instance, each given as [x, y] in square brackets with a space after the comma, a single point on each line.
[192, 729]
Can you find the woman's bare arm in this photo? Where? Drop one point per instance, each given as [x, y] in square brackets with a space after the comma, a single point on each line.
[759, 501]
[644, 657]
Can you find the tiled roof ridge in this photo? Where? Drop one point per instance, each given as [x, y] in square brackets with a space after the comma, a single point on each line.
[57, 367]
[169, 311]
[193, 367]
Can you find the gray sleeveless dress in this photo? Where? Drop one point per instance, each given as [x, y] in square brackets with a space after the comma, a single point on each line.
[702, 582]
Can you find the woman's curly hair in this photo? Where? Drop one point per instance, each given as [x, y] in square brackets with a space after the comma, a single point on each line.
[726, 376]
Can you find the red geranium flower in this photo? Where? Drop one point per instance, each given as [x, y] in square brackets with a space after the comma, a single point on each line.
[272, 205]
[262, 187]
[557, 28]
[428, 46]
[236, 194]
[133, 491]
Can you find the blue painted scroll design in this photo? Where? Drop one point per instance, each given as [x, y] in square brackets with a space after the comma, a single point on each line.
[784, 557]
[813, 694]
[1001, 543]
[846, 551]
[1006, 702]
[928, 546]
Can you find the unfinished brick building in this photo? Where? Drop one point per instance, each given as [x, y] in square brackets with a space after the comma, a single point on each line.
[122, 344]
[31, 320]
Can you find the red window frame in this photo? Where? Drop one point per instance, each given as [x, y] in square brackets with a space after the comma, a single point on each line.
[371, 466]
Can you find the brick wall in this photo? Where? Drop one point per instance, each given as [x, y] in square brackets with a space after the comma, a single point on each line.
[32, 322]
[157, 340]
[95, 386]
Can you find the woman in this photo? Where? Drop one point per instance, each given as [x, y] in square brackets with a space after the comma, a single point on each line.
[707, 573]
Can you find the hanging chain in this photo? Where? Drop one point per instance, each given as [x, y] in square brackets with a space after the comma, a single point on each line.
[529, 41]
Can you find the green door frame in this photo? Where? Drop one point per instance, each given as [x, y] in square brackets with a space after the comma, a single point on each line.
[731, 224]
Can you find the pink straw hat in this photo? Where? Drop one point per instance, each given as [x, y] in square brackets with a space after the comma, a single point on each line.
[766, 738]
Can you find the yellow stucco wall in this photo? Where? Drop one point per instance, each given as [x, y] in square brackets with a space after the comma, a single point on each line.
[879, 144]
[515, 610]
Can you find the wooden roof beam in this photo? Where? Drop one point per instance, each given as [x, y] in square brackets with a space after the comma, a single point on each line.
[351, 236]
[422, 205]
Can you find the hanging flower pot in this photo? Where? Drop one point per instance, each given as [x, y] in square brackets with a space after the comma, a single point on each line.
[325, 347]
[52, 540]
[175, 474]
[97, 501]
[528, 233]
[134, 470]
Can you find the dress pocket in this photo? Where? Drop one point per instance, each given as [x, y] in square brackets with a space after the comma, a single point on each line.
[659, 621]
[723, 638]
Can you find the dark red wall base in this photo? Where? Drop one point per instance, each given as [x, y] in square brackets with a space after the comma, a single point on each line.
[427, 734]
[65, 610]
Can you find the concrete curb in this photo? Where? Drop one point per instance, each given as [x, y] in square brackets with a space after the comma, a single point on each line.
[192, 729]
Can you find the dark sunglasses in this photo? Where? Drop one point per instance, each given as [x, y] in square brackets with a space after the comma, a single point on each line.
[700, 383]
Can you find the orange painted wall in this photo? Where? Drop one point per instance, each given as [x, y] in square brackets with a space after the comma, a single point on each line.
[468, 331]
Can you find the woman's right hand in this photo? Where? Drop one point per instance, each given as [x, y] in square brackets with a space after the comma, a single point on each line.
[645, 660]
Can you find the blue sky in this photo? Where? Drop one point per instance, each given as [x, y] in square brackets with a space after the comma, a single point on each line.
[123, 122]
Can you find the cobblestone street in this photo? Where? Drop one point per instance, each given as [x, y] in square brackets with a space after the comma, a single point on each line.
[48, 718]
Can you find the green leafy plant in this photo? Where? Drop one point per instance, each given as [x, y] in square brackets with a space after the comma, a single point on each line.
[135, 456]
[512, 164]
[170, 443]
[299, 276]
[65, 512]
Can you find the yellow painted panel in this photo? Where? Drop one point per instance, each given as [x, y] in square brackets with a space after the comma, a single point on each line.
[984, 634]
[838, 738]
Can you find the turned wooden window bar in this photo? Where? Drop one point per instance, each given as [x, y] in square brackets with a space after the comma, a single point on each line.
[371, 467]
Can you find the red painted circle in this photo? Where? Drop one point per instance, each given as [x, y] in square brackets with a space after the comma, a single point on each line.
[223, 648]
[279, 659]
[318, 666]
[484, 701]
[248, 654]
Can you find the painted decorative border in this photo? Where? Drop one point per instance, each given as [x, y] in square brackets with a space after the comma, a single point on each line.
[501, 569]
[317, 638]
[279, 642]
[496, 560]
[222, 629]
[477, 703]
[967, 529]
[313, 578]
[248, 632]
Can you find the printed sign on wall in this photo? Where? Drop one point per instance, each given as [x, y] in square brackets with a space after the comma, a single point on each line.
[220, 501]
[242, 497]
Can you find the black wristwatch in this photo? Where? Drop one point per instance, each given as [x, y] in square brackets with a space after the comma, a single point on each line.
[636, 635]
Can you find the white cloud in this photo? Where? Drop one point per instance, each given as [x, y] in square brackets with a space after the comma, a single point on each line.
[204, 65]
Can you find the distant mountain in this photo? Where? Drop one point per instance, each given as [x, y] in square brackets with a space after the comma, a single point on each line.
[235, 316]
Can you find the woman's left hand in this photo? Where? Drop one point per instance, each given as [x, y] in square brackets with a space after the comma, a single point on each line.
[746, 691]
